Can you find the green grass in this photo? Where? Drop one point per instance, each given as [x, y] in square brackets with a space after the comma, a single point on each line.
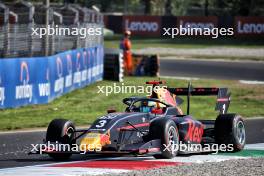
[225, 57]
[84, 105]
[191, 43]
[185, 42]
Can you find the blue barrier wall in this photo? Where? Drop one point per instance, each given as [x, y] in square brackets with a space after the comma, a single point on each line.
[39, 80]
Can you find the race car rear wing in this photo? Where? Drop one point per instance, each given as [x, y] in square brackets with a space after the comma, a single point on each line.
[223, 96]
[195, 91]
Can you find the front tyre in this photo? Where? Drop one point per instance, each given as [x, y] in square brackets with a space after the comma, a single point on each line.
[165, 130]
[230, 129]
[61, 131]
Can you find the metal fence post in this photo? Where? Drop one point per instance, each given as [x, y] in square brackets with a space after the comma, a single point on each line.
[30, 26]
[57, 20]
[10, 51]
[47, 25]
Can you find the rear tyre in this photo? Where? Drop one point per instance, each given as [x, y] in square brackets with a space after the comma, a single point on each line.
[165, 130]
[230, 129]
[61, 131]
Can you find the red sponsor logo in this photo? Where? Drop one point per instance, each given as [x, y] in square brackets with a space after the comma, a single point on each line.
[105, 139]
[24, 73]
[194, 133]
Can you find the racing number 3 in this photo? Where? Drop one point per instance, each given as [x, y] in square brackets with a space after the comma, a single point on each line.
[101, 124]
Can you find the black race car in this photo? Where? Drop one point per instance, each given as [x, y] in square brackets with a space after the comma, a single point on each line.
[152, 125]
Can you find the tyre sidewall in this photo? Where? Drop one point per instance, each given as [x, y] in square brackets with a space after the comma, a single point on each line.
[170, 125]
[226, 130]
[237, 145]
[57, 131]
[159, 129]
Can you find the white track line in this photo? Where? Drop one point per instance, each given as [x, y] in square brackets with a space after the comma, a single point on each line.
[47, 169]
[251, 82]
[258, 146]
[204, 158]
[180, 77]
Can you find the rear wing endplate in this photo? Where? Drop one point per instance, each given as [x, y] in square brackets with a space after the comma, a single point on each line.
[223, 96]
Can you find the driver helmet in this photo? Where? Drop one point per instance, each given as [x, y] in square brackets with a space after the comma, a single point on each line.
[145, 103]
[145, 107]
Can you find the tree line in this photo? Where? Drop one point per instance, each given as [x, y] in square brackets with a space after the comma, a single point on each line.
[173, 7]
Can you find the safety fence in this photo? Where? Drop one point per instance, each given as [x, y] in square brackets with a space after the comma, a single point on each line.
[36, 69]
[39, 80]
[19, 20]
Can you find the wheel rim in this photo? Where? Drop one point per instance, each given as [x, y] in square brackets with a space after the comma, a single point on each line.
[241, 134]
[70, 132]
[173, 139]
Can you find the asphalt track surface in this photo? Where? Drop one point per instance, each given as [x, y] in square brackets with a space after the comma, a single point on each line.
[15, 146]
[230, 70]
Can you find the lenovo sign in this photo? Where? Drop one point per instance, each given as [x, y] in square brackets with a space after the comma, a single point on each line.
[197, 22]
[142, 25]
[249, 26]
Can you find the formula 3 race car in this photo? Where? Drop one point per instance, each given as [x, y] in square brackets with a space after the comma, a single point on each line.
[152, 125]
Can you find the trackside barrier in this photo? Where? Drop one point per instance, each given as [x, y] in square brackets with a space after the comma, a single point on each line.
[143, 65]
[39, 80]
[113, 65]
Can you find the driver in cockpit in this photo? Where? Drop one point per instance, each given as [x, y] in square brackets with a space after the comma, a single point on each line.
[148, 106]
[144, 107]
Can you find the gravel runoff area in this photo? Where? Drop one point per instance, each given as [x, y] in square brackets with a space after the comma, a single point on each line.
[209, 51]
[241, 167]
